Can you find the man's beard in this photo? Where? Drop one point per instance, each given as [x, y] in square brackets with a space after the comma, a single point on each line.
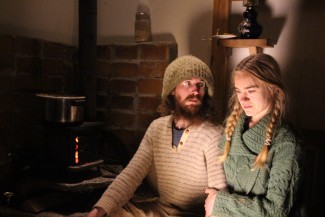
[189, 112]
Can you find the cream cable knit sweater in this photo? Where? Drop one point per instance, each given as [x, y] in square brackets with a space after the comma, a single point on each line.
[180, 176]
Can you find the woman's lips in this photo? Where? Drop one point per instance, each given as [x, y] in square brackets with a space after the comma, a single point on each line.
[247, 107]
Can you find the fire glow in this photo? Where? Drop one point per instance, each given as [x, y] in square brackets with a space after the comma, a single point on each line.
[76, 153]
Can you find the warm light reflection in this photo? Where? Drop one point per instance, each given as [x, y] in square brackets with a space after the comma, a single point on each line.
[76, 153]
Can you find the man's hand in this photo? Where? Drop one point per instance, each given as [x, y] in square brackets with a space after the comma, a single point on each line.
[209, 202]
[96, 212]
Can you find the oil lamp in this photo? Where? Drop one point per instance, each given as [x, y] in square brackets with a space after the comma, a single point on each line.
[249, 28]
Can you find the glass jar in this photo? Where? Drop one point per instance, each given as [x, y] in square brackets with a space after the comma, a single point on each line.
[142, 27]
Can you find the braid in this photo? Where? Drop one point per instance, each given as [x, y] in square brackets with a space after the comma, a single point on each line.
[265, 70]
[230, 128]
[275, 116]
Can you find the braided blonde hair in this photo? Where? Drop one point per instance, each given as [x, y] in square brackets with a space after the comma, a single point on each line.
[264, 68]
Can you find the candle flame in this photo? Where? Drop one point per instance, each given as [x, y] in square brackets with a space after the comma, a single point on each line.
[76, 154]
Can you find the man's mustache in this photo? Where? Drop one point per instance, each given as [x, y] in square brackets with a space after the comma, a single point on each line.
[192, 97]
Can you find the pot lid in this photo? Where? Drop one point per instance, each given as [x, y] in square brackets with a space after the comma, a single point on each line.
[60, 96]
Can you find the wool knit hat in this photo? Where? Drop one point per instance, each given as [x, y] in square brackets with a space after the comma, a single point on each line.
[184, 68]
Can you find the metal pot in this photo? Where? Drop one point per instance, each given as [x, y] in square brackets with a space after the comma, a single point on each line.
[63, 108]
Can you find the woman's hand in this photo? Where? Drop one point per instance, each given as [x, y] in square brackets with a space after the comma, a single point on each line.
[209, 201]
[96, 212]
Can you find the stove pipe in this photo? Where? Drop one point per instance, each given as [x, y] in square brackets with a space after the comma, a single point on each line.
[88, 54]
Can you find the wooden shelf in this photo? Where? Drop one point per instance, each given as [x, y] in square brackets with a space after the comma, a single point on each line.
[221, 49]
[254, 45]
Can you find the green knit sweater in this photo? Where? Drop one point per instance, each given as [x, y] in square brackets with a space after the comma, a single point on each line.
[179, 175]
[270, 191]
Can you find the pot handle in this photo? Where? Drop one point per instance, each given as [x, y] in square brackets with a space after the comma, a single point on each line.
[77, 102]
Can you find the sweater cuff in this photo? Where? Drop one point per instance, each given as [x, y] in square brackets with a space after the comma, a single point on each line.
[107, 204]
[220, 201]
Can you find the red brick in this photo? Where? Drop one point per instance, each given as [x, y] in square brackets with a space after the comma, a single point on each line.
[104, 52]
[150, 86]
[52, 84]
[25, 82]
[173, 52]
[148, 104]
[6, 101]
[4, 151]
[103, 68]
[25, 136]
[55, 50]
[145, 120]
[28, 46]
[140, 133]
[122, 120]
[29, 65]
[153, 69]
[154, 51]
[122, 102]
[58, 72]
[7, 65]
[7, 83]
[54, 67]
[101, 101]
[5, 119]
[24, 101]
[101, 115]
[129, 70]
[162, 51]
[7, 45]
[72, 79]
[126, 51]
[129, 138]
[102, 84]
[29, 117]
[123, 86]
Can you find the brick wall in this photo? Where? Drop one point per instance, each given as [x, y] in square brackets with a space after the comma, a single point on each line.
[27, 66]
[129, 80]
[129, 87]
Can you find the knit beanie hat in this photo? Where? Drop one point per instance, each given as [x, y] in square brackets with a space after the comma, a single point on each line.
[184, 68]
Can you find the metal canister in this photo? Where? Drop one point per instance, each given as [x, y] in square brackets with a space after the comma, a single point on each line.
[64, 109]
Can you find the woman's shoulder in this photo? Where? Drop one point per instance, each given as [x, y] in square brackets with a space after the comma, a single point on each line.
[286, 132]
[287, 137]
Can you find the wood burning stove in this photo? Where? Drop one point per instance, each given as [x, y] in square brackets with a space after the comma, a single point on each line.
[72, 147]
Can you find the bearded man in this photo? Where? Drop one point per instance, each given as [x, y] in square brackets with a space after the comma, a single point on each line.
[178, 153]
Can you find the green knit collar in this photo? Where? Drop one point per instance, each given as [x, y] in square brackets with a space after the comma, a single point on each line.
[252, 140]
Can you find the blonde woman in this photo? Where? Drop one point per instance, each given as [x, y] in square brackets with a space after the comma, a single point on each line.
[261, 154]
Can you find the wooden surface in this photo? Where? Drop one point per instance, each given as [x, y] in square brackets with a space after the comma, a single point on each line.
[245, 43]
[254, 45]
[218, 64]
[219, 58]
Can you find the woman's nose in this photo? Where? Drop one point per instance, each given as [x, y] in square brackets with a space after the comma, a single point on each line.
[243, 97]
